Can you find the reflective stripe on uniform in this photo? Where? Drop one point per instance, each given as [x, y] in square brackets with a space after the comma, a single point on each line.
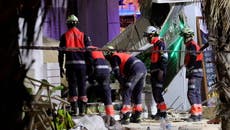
[128, 84]
[162, 107]
[196, 70]
[116, 68]
[102, 67]
[194, 110]
[75, 62]
[191, 86]
[159, 85]
[134, 62]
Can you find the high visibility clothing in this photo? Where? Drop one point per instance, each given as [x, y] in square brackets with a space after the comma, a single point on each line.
[200, 109]
[126, 108]
[195, 110]
[74, 38]
[137, 107]
[162, 107]
[74, 63]
[131, 74]
[96, 54]
[158, 69]
[157, 46]
[154, 40]
[83, 98]
[155, 55]
[73, 99]
[194, 95]
[199, 56]
[124, 58]
[109, 110]
[193, 63]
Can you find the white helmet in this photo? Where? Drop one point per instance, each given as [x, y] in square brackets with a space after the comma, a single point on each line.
[110, 47]
[151, 29]
[151, 32]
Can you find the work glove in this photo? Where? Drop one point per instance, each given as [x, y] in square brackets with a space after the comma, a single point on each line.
[62, 72]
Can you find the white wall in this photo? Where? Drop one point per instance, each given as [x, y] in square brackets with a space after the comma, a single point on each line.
[39, 69]
[191, 12]
[176, 95]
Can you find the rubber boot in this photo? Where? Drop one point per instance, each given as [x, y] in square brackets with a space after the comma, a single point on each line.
[125, 118]
[193, 118]
[200, 117]
[135, 117]
[108, 118]
[159, 115]
[82, 108]
[73, 111]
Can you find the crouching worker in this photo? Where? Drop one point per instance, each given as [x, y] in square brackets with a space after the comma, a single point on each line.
[99, 69]
[131, 74]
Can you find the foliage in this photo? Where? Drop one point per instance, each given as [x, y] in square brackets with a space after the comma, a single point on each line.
[217, 19]
[64, 120]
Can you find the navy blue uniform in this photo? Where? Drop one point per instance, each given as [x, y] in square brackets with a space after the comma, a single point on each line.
[194, 73]
[158, 69]
[75, 65]
[99, 69]
[131, 73]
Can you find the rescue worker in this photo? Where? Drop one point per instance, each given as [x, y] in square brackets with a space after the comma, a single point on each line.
[158, 67]
[131, 74]
[99, 69]
[74, 64]
[193, 64]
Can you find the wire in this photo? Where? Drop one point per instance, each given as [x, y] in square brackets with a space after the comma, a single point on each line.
[101, 49]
